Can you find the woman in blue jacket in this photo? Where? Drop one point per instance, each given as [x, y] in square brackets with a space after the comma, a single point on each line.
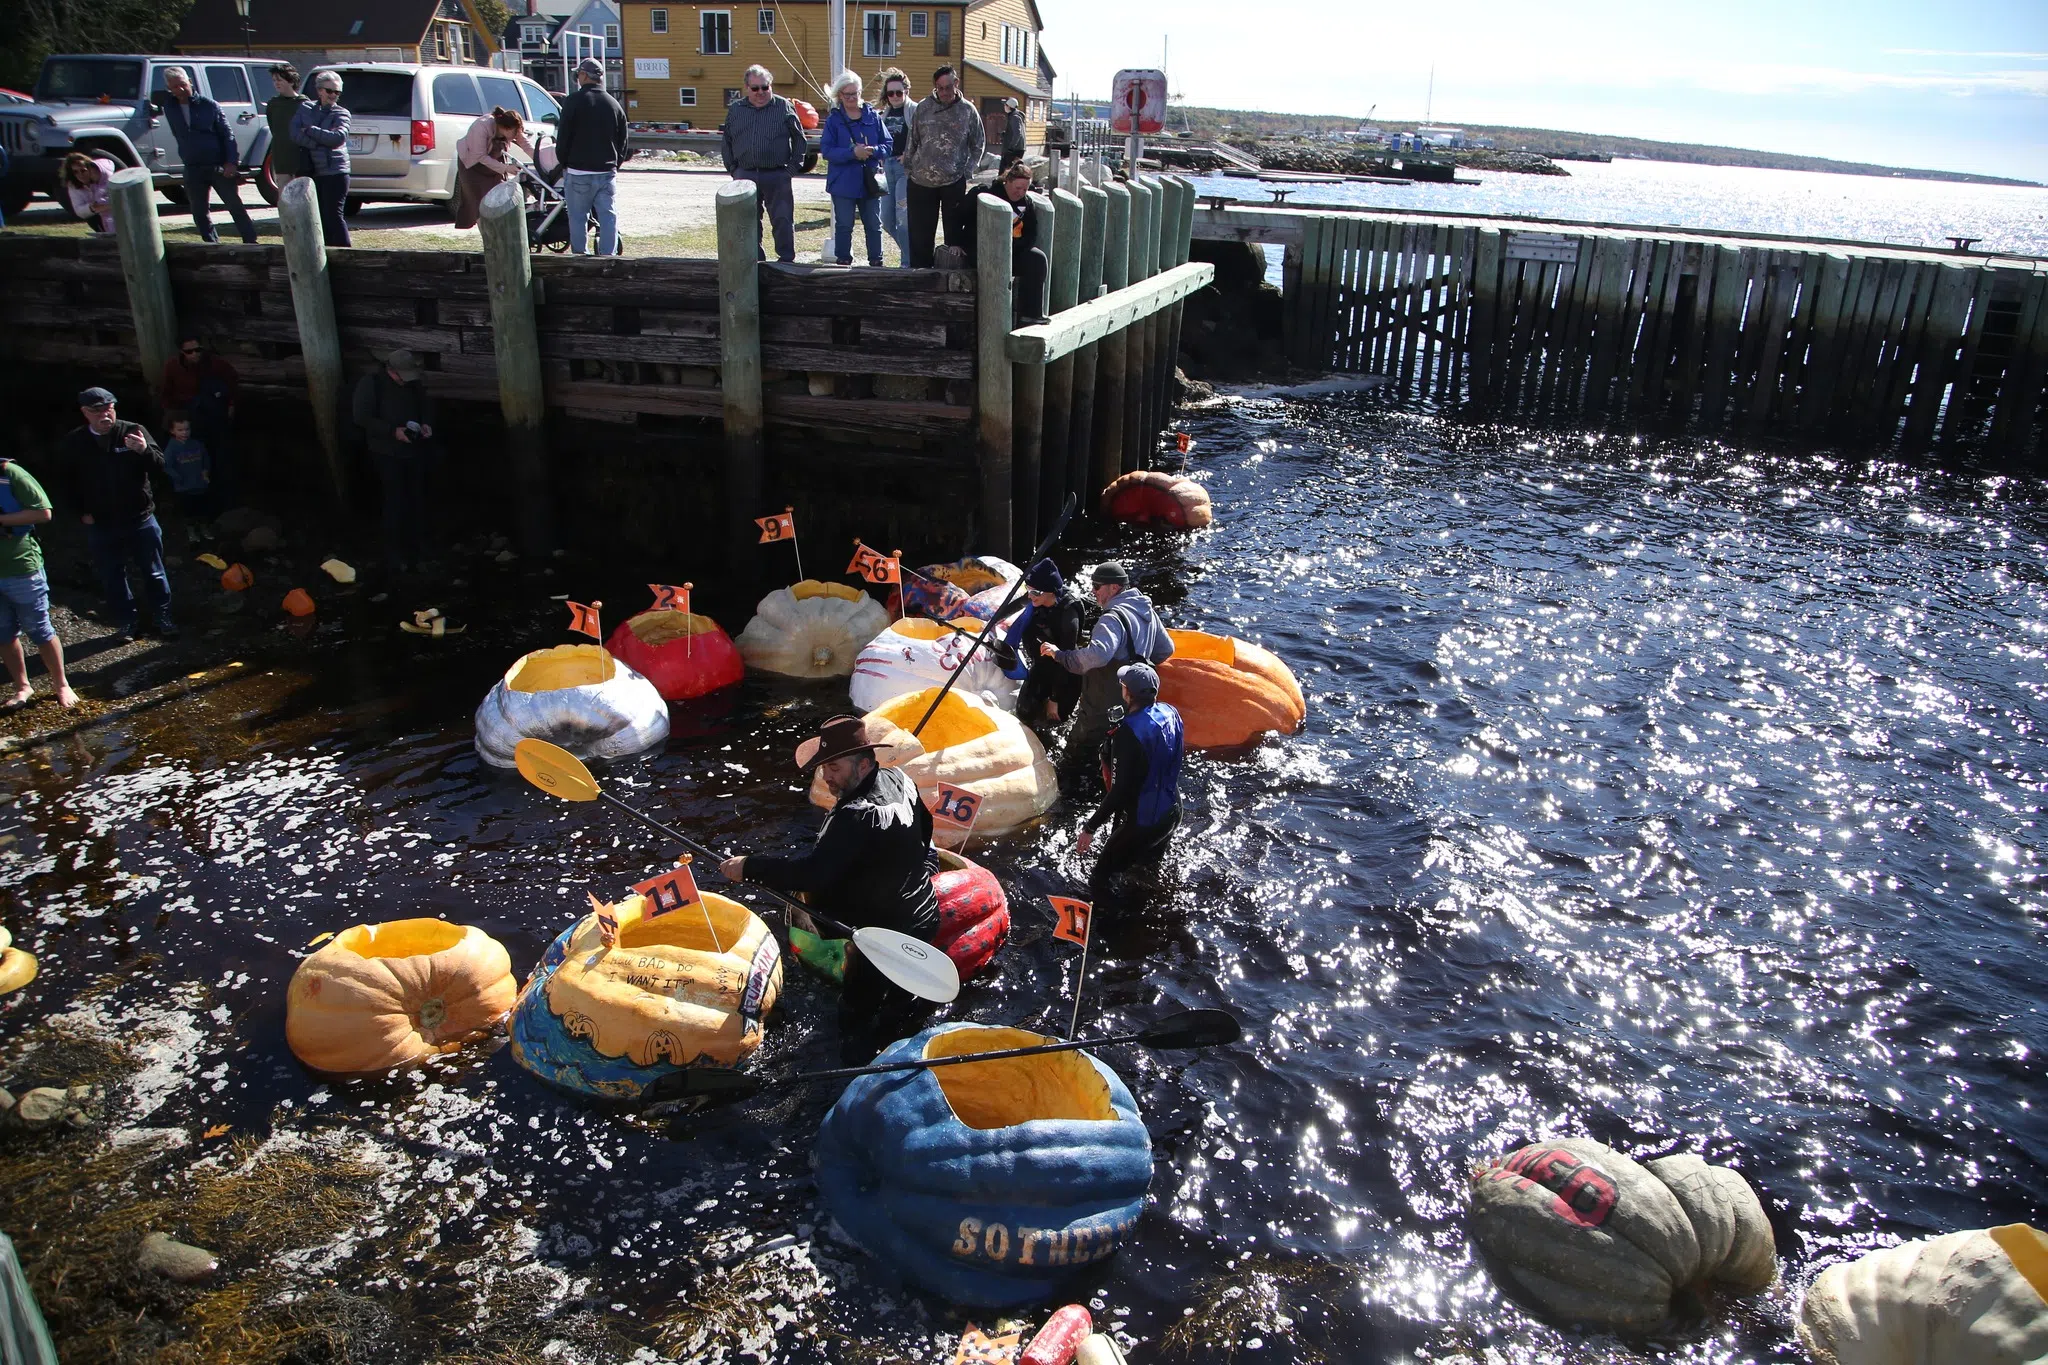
[856, 144]
[322, 129]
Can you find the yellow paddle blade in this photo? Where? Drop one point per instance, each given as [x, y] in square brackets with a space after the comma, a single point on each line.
[554, 770]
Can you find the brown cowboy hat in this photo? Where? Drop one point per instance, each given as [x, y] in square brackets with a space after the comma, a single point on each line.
[838, 737]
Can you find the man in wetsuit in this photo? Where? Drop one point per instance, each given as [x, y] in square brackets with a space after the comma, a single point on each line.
[1126, 632]
[871, 867]
[1141, 768]
[1051, 616]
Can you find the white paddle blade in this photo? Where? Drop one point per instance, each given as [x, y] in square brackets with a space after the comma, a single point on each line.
[911, 963]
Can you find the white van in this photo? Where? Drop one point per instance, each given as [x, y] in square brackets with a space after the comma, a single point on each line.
[404, 121]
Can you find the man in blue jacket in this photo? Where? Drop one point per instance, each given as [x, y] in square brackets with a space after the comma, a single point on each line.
[207, 146]
[1141, 769]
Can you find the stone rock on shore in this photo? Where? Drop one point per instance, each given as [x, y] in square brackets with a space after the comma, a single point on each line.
[160, 1254]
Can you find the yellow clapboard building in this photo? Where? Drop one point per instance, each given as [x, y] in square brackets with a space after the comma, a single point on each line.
[685, 62]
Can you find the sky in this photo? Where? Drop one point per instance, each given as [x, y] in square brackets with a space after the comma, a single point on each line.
[1957, 86]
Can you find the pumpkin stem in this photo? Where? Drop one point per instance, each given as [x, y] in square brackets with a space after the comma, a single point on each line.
[820, 656]
[433, 1014]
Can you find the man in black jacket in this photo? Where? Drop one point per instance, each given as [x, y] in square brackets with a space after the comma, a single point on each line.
[591, 141]
[105, 468]
[871, 867]
[1052, 616]
[207, 147]
[396, 415]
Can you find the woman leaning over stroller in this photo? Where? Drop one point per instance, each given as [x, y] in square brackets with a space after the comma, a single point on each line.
[322, 129]
[482, 154]
[855, 143]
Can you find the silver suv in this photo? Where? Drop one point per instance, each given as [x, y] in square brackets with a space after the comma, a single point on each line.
[108, 106]
[404, 121]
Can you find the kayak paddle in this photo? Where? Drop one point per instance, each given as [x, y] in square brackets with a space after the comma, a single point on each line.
[1188, 1029]
[911, 963]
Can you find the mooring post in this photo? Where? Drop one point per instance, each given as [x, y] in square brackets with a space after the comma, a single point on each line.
[1081, 425]
[305, 258]
[1166, 218]
[1114, 357]
[739, 368]
[147, 273]
[995, 395]
[1184, 240]
[1179, 194]
[1137, 445]
[1054, 464]
[508, 265]
[1029, 407]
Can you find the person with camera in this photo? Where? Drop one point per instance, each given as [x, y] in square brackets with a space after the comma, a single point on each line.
[396, 415]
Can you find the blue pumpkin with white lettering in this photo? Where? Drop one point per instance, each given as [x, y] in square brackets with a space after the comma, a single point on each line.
[987, 1183]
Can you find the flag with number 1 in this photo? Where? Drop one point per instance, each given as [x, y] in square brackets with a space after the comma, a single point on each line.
[607, 921]
[670, 891]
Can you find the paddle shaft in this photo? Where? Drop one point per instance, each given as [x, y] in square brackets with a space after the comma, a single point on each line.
[925, 1063]
[1066, 515]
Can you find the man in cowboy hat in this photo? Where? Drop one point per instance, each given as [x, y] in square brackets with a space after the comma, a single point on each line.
[871, 867]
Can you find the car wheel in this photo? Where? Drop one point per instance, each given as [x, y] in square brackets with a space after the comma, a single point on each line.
[17, 200]
[810, 162]
[176, 194]
[266, 181]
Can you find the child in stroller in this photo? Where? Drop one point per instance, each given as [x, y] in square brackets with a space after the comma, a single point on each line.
[547, 221]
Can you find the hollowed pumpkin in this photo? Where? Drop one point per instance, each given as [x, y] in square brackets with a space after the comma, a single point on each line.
[969, 745]
[811, 629]
[1969, 1298]
[675, 991]
[1228, 691]
[575, 696]
[377, 996]
[914, 654]
[989, 1183]
[1145, 497]
[683, 654]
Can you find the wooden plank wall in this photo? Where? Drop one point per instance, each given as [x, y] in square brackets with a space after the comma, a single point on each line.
[885, 356]
[1895, 349]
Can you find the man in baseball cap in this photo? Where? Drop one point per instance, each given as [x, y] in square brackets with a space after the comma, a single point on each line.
[591, 141]
[1141, 769]
[871, 867]
[1126, 632]
[105, 473]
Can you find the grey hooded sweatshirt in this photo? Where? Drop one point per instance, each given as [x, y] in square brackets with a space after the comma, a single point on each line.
[1126, 632]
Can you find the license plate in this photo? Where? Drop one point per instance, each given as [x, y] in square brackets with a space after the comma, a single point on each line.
[363, 144]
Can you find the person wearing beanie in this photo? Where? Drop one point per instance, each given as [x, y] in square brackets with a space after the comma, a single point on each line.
[1141, 769]
[1127, 632]
[1051, 616]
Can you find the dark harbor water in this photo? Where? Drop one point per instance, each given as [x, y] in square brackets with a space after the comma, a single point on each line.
[1678, 795]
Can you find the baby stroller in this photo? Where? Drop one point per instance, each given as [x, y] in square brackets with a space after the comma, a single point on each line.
[547, 221]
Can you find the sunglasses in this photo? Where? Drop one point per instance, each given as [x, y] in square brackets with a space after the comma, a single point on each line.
[757, 89]
[188, 350]
[895, 90]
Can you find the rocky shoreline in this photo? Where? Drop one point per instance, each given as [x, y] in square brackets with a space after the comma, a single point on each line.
[1339, 159]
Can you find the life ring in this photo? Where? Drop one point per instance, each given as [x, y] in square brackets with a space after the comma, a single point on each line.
[683, 654]
[575, 696]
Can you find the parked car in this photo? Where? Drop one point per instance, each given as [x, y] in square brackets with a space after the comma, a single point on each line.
[110, 106]
[404, 122]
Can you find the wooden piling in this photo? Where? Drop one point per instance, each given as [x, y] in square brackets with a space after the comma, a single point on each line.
[1081, 424]
[1055, 466]
[1114, 356]
[515, 341]
[305, 255]
[1137, 447]
[1165, 342]
[739, 359]
[147, 274]
[1028, 400]
[995, 384]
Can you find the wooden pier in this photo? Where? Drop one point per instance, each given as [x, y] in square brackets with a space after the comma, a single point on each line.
[1893, 346]
[918, 375]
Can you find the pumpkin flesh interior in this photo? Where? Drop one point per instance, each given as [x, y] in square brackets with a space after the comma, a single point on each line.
[1056, 1085]
[666, 627]
[955, 722]
[683, 928]
[811, 587]
[551, 670]
[402, 938]
[918, 628]
[1199, 644]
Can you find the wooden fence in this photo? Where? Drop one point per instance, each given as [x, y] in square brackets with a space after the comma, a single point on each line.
[1875, 343]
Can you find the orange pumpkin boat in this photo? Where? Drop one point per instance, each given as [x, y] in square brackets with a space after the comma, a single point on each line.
[1228, 691]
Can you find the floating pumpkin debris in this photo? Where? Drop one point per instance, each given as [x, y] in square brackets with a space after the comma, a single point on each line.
[212, 561]
[338, 571]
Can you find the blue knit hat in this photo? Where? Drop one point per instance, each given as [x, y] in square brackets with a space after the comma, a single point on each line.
[1045, 577]
[1143, 681]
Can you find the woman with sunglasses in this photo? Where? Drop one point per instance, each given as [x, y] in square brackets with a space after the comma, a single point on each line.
[322, 129]
[895, 112]
[854, 143]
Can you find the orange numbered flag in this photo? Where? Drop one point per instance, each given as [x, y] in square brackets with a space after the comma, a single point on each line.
[957, 806]
[584, 619]
[667, 598]
[607, 921]
[670, 891]
[875, 566]
[781, 526]
[1074, 916]
[1184, 441]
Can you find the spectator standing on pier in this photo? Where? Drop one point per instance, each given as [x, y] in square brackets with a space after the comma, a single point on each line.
[591, 140]
[25, 588]
[88, 182]
[287, 158]
[106, 468]
[1013, 134]
[207, 146]
[854, 144]
[764, 142]
[944, 147]
[396, 415]
[895, 111]
[482, 152]
[321, 127]
[1027, 258]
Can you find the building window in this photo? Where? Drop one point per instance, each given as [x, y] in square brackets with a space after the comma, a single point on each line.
[1029, 59]
[1016, 46]
[657, 21]
[714, 37]
[880, 29]
[764, 21]
[942, 34]
[687, 97]
[917, 23]
[611, 37]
